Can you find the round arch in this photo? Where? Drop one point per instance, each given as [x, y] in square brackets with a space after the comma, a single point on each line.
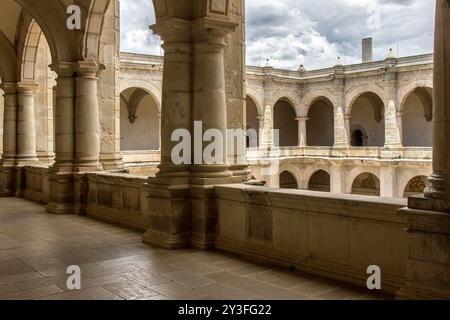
[252, 117]
[367, 116]
[407, 175]
[291, 97]
[140, 123]
[320, 124]
[415, 186]
[257, 99]
[405, 91]
[285, 121]
[313, 95]
[320, 181]
[288, 180]
[148, 86]
[355, 93]
[366, 184]
[355, 172]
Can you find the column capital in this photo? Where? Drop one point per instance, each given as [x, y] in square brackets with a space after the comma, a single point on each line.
[213, 30]
[173, 30]
[88, 68]
[64, 69]
[9, 88]
[302, 119]
[28, 87]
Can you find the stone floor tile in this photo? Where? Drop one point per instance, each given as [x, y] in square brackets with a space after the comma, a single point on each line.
[130, 291]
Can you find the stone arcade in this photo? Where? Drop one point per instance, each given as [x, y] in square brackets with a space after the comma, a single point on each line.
[62, 142]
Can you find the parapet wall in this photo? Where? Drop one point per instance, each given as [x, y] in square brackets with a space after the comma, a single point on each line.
[330, 235]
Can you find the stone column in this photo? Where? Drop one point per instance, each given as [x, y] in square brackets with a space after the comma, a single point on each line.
[260, 131]
[337, 178]
[26, 126]
[65, 116]
[348, 128]
[9, 140]
[302, 133]
[428, 219]
[61, 174]
[400, 126]
[176, 95]
[169, 193]
[440, 179]
[392, 133]
[209, 93]
[87, 122]
[388, 181]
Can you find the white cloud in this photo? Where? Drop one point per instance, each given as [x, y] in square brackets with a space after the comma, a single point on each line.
[309, 32]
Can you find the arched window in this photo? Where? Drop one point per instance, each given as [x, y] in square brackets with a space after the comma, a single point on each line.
[320, 124]
[285, 121]
[139, 121]
[417, 118]
[367, 113]
[320, 181]
[366, 184]
[288, 181]
[357, 138]
[252, 121]
[416, 186]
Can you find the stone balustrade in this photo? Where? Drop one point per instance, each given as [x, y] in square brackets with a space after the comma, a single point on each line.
[330, 235]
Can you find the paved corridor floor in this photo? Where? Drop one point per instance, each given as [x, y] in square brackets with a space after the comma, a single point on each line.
[36, 248]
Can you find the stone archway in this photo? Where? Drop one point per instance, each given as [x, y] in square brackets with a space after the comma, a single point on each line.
[288, 181]
[320, 124]
[416, 186]
[284, 119]
[366, 184]
[320, 181]
[417, 116]
[367, 116]
[139, 121]
[252, 123]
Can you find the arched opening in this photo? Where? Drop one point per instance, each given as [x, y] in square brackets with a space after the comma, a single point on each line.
[252, 123]
[320, 181]
[288, 181]
[366, 184]
[417, 118]
[285, 122]
[139, 121]
[358, 138]
[416, 186]
[34, 67]
[367, 116]
[320, 124]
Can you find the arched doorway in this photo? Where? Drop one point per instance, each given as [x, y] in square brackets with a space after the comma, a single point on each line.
[139, 121]
[252, 122]
[366, 184]
[288, 181]
[320, 181]
[358, 138]
[367, 117]
[416, 186]
[284, 118]
[320, 124]
[417, 118]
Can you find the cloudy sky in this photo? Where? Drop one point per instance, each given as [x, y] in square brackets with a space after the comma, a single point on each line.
[309, 32]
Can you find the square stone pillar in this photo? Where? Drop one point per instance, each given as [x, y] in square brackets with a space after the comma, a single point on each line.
[428, 218]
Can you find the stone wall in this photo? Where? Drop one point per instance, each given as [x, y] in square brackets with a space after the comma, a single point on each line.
[330, 235]
[118, 199]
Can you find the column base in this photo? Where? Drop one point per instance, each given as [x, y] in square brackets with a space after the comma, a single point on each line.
[111, 161]
[428, 258]
[61, 193]
[169, 213]
[204, 217]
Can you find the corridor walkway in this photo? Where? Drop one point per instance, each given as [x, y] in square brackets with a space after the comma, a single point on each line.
[36, 248]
